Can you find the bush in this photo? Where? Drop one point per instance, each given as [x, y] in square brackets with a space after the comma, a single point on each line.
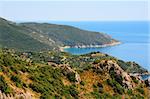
[82, 83]
[96, 61]
[119, 88]
[115, 76]
[116, 86]
[8, 60]
[135, 80]
[37, 87]
[129, 92]
[17, 80]
[4, 86]
[100, 87]
[73, 91]
[47, 81]
[71, 76]
[96, 95]
[140, 90]
[138, 96]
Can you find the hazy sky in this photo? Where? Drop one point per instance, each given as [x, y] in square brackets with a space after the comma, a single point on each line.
[89, 10]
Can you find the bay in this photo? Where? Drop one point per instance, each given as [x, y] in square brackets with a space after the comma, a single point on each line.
[134, 36]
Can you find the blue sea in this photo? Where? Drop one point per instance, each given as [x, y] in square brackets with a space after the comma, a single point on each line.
[134, 35]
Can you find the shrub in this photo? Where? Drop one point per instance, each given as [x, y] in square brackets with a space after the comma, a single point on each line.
[37, 87]
[134, 80]
[71, 76]
[140, 90]
[17, 80]
[129, 92]
[96, 95]
[8, 60]
[73, 91]
[115, 76]
[82, 83]
[4, 86]
[138, 96]
[119, 88]
[116, 86]
[100, 87]
[96, 61]
[46, 96]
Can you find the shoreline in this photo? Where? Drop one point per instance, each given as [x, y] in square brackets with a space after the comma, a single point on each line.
[90, 46]
[140, 75]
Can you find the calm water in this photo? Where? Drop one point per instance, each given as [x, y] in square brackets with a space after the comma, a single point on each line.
[133, 35]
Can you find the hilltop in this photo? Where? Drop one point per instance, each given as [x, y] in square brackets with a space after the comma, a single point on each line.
[53, 74]
[45, 36]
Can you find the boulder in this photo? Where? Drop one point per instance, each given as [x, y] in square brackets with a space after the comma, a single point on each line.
[147, 82]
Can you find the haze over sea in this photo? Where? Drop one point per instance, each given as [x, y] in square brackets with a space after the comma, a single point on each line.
[134, 36]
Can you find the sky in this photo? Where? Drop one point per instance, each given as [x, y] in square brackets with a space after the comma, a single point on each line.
[75, 10]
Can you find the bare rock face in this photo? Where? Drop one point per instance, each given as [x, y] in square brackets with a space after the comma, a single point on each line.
[147, 82]
[77, 78]
[115, 71]
[67, 70]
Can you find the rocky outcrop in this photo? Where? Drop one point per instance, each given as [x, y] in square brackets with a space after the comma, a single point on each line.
[147, 82]
[115, 71]
[67, 70]
[16, 96]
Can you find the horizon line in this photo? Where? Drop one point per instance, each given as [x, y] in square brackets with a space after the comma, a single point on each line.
[19, 21]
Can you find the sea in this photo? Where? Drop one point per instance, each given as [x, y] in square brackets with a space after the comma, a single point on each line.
[133, 35]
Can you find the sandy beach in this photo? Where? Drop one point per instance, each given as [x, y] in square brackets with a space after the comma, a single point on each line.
[90, 46]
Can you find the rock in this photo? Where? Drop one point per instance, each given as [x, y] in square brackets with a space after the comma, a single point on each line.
[77, 78]
[16, 96]
[100, 87]
[67, 70]
[147, 82]
[114, 70]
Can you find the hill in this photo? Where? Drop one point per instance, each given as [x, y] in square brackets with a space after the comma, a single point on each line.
[68, 35]
[49, 75]
[44, 36]
[14, 36]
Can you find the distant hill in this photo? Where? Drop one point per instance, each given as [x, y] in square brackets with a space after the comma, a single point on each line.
[14, 36]
[41, 36]
[68, 35]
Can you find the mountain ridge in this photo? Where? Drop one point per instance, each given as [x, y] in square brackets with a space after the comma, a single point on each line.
[50, 36]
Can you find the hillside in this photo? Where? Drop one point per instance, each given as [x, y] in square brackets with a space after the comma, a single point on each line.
[50, 75]
[44, 36]
[14, 36]
[68, 35]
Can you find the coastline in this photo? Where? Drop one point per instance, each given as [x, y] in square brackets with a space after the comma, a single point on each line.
[62, 49]
[141, 76]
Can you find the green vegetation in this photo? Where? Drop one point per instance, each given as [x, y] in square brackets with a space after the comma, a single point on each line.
[131, 67]
[116, 86]
[44, 36]
[17, 80]
[134, 80]
[71, 77]
[14, 36]
[139, 89]
[46, 75]
[4, 86]
[30, 67]
[129, 92]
